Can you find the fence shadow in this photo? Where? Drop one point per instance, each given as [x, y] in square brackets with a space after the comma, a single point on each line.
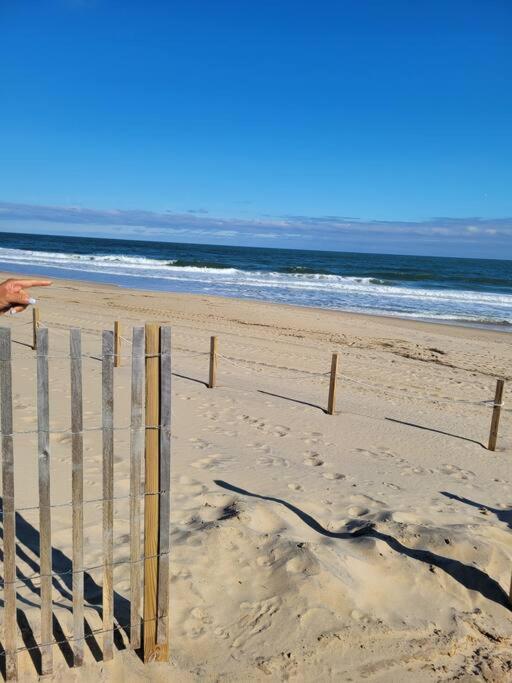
[20, 343]
[28, 541]
[502, 514]
[436, 431]
[190, 379]
[468, 576]
[293, 400]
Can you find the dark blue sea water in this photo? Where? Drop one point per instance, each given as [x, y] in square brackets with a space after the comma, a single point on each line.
[466, 291]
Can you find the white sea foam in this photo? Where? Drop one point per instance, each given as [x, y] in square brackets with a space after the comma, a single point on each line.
[314, 289]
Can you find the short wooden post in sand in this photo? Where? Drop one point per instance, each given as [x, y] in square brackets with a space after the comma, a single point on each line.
[331, 403]
[117, 343]
[496, 413]
[212, 380]
[35, 326]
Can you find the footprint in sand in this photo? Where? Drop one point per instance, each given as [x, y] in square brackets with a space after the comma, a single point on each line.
[395, 487]
[295, 487]
[190, 486]
[357, 511]
[409, 471]
[456, 472]
[212, 462]
[256, 617]
[313, 459]
[313, 462]
[192, 628]
[63, 438]
[273, 461]
[333, 475]
[312, 437]
[200, 444]
[20, 406]
[265, 448]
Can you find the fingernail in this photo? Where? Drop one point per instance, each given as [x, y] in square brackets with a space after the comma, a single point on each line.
[32, 301]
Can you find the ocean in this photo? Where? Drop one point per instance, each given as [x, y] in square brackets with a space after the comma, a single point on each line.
[458, 290]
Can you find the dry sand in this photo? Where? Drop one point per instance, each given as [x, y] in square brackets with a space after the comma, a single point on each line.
[270, 579]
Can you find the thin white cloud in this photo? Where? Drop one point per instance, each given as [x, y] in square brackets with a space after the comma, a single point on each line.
[310, 230]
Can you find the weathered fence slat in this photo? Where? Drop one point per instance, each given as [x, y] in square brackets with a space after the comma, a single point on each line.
[151, 491]
[165, 494]
[136, 454]
[108, 490]
[9, 520]
[45, 534]
[77, 493]
[117, 343]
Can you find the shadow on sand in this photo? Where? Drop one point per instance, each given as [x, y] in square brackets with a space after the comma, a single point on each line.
[27, 548]
[292, 400]
[468, 576]
[502, 514]
[435, 431]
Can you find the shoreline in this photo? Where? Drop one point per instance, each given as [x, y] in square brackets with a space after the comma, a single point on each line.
[385, 318]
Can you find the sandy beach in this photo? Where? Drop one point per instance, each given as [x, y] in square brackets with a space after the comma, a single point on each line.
[371, 545]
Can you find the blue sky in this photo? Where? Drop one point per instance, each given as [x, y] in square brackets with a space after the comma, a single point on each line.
[358, 125]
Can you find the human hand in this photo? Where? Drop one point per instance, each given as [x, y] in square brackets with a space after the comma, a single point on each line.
[14, 298]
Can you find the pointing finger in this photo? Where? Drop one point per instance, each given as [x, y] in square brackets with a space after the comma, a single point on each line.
[31, 283]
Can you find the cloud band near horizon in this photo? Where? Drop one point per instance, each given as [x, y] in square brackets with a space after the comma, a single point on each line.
[327, 232]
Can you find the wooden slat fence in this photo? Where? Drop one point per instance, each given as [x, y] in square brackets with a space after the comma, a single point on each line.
[150, 440]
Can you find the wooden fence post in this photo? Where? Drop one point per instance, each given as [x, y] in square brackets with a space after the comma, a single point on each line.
[331, 404]
[45, 543]
[117, 343]
[35, 326]
[9, 519]
[213, 363]
[151, 650]
[496, 412]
